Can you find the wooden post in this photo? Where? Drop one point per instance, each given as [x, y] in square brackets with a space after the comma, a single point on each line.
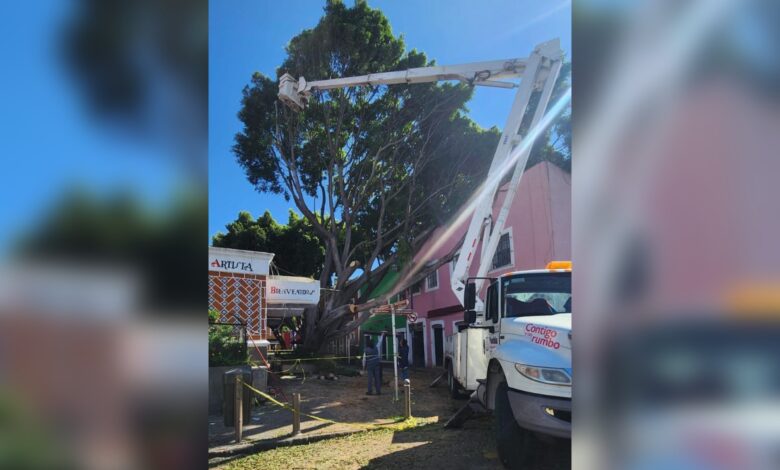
[238, 407]
[296, 414]
[407, 399]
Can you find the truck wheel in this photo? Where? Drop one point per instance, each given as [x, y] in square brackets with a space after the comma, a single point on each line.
[452, 384]
[512, 441]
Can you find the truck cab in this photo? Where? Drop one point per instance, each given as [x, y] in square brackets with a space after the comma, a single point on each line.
[516, 356]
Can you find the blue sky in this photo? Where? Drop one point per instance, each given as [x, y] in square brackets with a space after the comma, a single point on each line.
[249, 35]
[51, 143]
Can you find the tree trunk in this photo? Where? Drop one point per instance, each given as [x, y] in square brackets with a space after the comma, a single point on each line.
[332, 318]
[310, 319]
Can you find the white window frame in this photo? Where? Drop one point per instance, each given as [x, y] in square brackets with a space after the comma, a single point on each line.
[433, 343]
[431, 289]
[511, 252]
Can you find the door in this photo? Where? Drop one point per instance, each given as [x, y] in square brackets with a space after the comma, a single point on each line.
[438, 345]
[418, 346]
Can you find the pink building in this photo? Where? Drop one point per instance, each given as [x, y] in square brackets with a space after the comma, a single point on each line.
[538, 230]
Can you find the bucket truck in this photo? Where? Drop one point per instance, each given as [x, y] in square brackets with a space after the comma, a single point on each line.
[513, 351]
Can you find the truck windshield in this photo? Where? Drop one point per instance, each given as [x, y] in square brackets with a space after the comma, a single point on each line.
[536, 294]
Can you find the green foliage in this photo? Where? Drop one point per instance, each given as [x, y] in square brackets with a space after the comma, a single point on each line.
[296, 247]
[385, 163]
[226, 348]
[213, 316]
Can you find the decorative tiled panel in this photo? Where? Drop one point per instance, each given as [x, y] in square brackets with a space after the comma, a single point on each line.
[239, 299]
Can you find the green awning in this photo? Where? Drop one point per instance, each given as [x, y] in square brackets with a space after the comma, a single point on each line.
[378, 324]
[386, 284]
[381, 322]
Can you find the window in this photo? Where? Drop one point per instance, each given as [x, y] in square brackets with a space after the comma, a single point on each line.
[417, 287]
[492, 302]
[454, 262]
[536, 294]
[503, 256]
[432, 281]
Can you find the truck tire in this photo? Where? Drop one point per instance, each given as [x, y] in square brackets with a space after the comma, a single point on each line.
[452, 384]
[512, 441]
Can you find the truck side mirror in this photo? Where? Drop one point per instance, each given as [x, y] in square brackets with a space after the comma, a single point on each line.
[470, 296]
[469, 317]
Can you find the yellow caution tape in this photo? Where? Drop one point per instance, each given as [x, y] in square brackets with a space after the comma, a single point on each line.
[283, 405]
[303, 371]
[288, 407]
[271, 358]
[296, 364]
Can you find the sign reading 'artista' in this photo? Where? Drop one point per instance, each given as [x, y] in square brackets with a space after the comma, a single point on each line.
[232, 265]
[239, 261]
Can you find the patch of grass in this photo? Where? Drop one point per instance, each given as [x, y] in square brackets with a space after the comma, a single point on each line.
[328, 453]
[407, 424]
[339, 452]
[401, 424]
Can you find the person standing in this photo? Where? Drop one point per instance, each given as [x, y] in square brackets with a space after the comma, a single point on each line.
[403, 359]
[372, 364]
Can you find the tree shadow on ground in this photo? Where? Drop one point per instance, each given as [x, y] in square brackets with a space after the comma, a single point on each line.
[472, 447]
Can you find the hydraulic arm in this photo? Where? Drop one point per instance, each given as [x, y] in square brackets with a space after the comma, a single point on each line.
[538, 72]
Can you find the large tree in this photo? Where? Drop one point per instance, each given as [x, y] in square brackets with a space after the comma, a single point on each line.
[372, 169]
[298, 250]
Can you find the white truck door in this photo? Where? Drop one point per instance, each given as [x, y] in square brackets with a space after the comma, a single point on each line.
[492, 319]
[472, 357]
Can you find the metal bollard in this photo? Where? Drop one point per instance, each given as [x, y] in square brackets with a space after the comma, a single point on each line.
[407, 399]
[238, 415]
[296, 414]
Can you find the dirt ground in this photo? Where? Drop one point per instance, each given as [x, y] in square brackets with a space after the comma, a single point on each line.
[423, 443]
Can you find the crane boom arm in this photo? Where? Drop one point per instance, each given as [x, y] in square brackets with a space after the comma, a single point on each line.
[296, 93]
[538, 72]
